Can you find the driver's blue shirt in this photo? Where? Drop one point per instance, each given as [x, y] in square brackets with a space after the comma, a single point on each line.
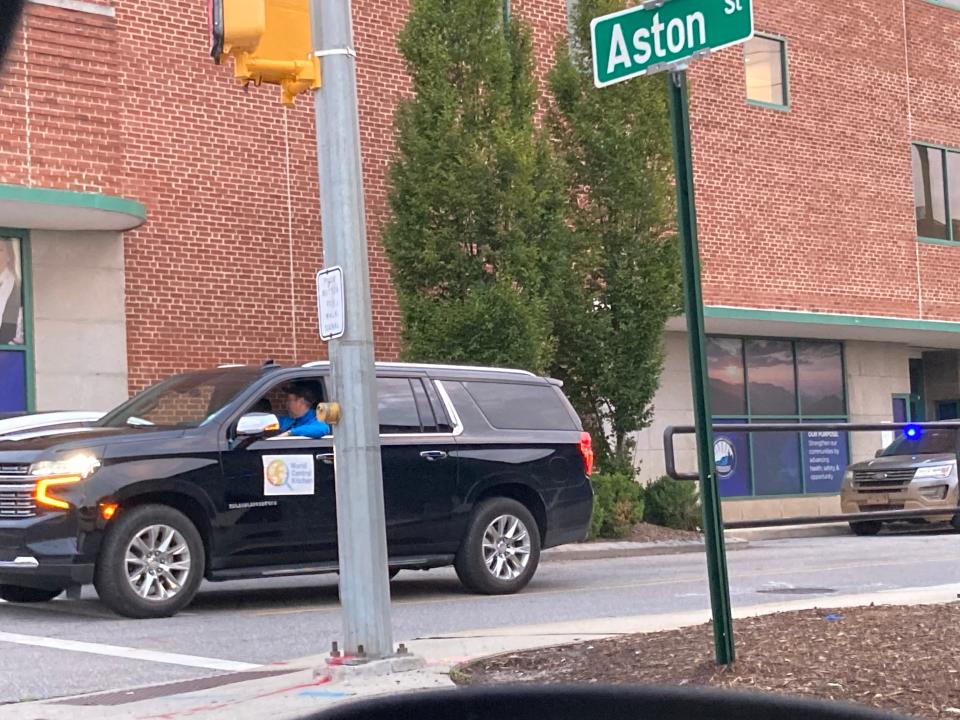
[306, 425]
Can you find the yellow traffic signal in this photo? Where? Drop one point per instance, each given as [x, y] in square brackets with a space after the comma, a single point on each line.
[269, 41]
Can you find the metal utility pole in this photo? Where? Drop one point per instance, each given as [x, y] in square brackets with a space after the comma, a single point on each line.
[693, 307]
[361, 529]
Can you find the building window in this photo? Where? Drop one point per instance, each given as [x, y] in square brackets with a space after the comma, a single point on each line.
[782, 381]
[936, 192]
[765, 61]
[15, 349]
[930, 183]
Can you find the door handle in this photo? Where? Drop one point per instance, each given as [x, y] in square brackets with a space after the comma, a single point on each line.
[431, 455]
[325, 458]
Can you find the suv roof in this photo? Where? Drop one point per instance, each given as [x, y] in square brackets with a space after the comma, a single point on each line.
[471, 369]
[431, 369]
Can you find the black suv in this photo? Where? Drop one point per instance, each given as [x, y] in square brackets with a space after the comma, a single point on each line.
[482, 468]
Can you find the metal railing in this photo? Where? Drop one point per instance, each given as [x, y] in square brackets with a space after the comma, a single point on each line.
[876, 515]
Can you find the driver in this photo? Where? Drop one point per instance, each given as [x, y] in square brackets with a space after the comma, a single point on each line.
[301, 420]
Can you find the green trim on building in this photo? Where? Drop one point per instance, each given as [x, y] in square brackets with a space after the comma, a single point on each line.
[949, 4]
[936, 146]
[937, 241]
[768, 106]
[719, 312]
[69, 198]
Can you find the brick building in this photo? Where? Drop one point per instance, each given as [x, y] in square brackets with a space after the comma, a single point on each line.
[157, 217]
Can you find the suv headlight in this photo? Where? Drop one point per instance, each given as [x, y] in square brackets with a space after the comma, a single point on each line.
[52, 474]
[934, 472]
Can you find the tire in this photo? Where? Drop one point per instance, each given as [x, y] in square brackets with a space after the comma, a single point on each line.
[955, 521]
[866, 527]
[18, 594]
[134, 531]
[471, 562]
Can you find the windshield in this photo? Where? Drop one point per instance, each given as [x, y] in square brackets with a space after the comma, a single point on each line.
[929, 442]
[182, 401]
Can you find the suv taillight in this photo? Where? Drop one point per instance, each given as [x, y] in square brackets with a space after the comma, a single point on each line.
[586, 449]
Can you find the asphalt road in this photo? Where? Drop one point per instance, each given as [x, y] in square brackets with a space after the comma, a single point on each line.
[67, 647]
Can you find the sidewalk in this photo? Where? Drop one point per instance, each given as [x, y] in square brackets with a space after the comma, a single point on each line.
[285, 691]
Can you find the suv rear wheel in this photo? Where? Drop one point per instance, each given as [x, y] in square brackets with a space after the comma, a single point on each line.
[18, 594]
[866, 527]
[151, 562]
[501, 550]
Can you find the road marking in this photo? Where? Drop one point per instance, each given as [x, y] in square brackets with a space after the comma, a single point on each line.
[682, 579]
[128, 653]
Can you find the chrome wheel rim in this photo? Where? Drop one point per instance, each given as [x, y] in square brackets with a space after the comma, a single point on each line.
[157, 563]
[506, 547]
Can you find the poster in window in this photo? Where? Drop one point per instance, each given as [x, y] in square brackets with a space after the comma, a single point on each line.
[11, 293]
[824, 460]
[731, 455]
[776, 462]
[13, 381]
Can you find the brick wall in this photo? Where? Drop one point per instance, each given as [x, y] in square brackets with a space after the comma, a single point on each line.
[58, 103]
[809, 209]
[133, 106]
[934, 34]
[812, 209]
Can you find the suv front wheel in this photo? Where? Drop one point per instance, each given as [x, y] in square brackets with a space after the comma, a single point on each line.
[501, 550]
[151, 562]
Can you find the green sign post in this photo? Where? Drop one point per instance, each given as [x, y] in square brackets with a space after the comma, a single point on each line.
[646, 38]
[665, 35]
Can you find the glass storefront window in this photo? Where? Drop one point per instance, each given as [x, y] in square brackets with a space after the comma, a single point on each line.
[770, 376]
[820, 378]
[786, 381]
[725, 368]
[776, 462]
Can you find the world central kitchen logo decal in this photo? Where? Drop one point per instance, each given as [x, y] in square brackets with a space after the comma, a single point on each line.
[724, 457]
[288, 475]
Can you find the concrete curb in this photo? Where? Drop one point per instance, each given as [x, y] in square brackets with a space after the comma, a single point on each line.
[786, 532]
[627, 549]
[337, 672]
[735, 540]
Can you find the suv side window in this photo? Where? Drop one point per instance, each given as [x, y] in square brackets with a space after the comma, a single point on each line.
[397, 406]
[519, 406]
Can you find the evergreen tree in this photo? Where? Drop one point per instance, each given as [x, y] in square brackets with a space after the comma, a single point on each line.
[477, 206]
[609, 319]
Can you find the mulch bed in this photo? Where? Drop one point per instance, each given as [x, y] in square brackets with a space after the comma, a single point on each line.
[645, 532]
[903, 659]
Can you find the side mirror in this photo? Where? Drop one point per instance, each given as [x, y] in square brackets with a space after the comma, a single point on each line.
[257, 424]
[878, 453]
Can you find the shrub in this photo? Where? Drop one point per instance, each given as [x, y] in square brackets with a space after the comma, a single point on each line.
[672, 503]
[617, 505]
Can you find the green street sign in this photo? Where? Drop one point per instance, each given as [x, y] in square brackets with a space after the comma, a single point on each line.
[643, 39]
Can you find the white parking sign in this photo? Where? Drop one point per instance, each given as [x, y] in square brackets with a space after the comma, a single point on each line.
[330, 303]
